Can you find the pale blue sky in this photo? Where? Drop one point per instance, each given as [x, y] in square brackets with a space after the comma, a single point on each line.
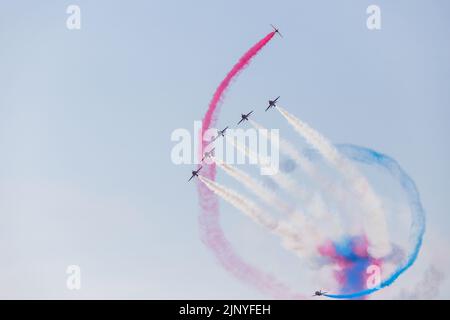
[86, 118]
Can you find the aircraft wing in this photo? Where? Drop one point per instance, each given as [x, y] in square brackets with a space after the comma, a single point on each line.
[268, 107]
[249, 113]
[190, 178]
[240, 121]
[276, 99]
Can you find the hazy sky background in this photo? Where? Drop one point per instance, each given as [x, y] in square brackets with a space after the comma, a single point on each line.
[86, 117]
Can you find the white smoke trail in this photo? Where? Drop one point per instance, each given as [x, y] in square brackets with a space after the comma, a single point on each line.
[254, 186]
[374, 220]
[288, 149]
[291, 239]
[241, 203]
[315, 204]
[284, 181]
[291, 151]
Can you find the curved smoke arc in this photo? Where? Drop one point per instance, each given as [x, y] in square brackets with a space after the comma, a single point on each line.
[212, 234]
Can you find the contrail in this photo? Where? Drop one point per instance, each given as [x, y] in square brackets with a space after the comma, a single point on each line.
[315, 204]
[288, 149]
[241, 203]
[214, 106]
[418, 223]
[254, 186]
[214, 237]
[296, 217]
[283, 180]
[374, 223]
[210, 230]
[291, 239]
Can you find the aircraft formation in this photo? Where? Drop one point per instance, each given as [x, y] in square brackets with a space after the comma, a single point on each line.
[244, 117]
[221, 133]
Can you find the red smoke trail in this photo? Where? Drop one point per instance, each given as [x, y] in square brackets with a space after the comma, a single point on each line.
[214, 106]
[211, 231]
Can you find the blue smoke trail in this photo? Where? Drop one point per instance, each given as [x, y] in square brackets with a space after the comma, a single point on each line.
[417, 230]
